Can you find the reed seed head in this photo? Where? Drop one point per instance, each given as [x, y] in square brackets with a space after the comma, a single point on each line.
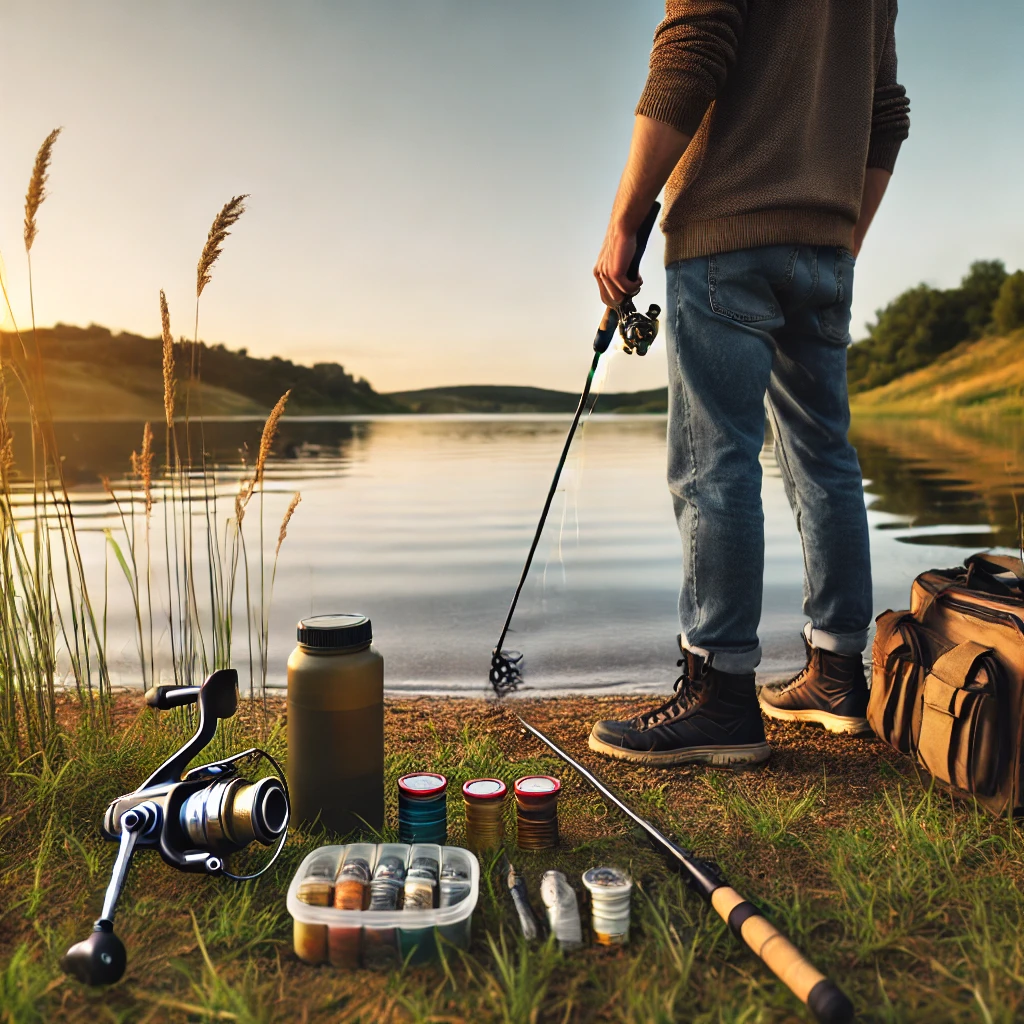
[105, 480]
[168, 345]
[241, 498]
[145, 466]
[6, 435]
[292, 506]
[37, 187]
[269, 433]
[228, 216]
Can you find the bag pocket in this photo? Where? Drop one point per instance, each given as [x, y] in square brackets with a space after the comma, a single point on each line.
[959, 738]
[896, 673]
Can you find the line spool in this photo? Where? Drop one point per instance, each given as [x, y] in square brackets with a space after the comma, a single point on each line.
[485, 813]
[610, 891]
[537, 812]
[423, 808]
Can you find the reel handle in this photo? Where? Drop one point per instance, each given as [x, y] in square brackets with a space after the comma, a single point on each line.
[101, 958]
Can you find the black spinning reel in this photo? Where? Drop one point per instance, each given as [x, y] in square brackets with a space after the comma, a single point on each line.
[194, 820]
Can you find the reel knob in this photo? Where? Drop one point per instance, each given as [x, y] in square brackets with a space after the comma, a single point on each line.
[97, 960]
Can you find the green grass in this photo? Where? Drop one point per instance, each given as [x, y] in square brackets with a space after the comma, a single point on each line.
[911, 903]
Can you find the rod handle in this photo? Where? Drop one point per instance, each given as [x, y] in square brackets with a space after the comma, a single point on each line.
[822, 997]
[643, 233]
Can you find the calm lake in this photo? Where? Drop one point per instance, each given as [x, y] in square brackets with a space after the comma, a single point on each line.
[423, 524]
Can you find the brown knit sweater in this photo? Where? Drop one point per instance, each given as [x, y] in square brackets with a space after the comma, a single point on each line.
[788, 101]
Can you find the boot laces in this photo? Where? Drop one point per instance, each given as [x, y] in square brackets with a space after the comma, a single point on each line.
[686, 692]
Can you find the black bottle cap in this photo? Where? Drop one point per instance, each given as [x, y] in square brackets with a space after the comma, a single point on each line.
[335, 632]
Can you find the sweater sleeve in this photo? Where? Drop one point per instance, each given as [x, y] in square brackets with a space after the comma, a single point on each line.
[694, 49]
[890, 113]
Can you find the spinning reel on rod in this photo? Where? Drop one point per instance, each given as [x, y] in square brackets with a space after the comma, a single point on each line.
[194, 820]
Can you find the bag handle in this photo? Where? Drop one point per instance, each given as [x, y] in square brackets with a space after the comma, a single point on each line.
[995, 565]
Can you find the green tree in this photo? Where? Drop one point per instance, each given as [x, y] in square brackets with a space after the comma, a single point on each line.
[1008, 310]
[922, 323]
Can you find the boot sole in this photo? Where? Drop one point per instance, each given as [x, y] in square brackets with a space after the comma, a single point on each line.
[845, 725]
[721, 757]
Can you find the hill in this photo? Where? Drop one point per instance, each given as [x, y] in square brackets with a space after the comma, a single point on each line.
[977, 376]
[486, 398]
[95, 374]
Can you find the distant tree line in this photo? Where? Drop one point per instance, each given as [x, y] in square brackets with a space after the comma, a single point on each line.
[323, 387]
[925, 322]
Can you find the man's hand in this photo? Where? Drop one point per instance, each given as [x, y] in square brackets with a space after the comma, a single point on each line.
[653, 153]
[612, 265]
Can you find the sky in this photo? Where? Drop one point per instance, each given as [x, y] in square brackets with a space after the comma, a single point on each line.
[429, 179]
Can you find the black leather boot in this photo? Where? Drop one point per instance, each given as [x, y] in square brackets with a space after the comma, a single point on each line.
[831, 691]
[712, 718]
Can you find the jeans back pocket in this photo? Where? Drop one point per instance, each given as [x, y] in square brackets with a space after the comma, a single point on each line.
[742, 283]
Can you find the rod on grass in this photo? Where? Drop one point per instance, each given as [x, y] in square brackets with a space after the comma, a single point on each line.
[822, 997]
[638, 330]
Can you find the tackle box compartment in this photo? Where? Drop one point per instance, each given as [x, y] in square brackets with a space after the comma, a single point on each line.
[375, 938]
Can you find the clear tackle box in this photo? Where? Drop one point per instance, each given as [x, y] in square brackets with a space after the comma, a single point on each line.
[397, 874]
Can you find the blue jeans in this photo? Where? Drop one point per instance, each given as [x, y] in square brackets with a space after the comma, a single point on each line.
[749, 331]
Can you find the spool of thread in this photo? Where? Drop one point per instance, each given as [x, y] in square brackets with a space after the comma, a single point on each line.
[386, 887]
[537, 811]
[310, 940]
[485, 813]
[455, 885]
[423, 808]
[351, 892]
[421, 884]
[610, 890]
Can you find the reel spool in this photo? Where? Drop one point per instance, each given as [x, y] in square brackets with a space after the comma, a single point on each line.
[194, 820]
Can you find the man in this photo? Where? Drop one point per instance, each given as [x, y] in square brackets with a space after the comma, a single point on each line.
[774, 126]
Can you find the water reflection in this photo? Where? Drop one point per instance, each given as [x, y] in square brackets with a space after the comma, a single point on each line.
[423, 522]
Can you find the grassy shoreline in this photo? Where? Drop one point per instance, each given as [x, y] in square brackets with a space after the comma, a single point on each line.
[911, 903]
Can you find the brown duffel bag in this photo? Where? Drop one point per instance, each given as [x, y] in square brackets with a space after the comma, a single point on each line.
[947, 680]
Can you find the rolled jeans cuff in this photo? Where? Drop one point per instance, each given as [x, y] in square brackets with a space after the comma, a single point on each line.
[733, 662]
[837, 643]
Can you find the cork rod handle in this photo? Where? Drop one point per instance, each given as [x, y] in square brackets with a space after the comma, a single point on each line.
[822, 997]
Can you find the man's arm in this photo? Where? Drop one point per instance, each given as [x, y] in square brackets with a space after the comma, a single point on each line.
[875, 182]
[890, 125]
[653, 153]
[694, 48]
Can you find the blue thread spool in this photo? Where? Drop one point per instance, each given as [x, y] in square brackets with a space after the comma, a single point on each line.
[423, 808]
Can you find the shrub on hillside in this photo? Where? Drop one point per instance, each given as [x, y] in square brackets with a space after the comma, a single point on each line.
[1008, 311]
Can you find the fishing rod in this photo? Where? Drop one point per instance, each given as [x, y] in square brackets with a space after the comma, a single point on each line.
[638, 331]
[822, 997]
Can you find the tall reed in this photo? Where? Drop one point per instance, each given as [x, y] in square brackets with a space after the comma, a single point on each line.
[49, 634]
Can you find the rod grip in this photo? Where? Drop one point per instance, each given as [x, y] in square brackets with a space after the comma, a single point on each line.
[643, 233]
[822, 997]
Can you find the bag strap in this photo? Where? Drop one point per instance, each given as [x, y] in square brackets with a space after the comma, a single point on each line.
[954, 667]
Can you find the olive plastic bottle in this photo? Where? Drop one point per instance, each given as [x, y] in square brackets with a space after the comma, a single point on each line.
[336, 725]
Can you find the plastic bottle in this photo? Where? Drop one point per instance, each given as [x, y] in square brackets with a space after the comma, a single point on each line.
[336, 725]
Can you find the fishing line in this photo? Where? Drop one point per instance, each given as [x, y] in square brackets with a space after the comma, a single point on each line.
[638, 331]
